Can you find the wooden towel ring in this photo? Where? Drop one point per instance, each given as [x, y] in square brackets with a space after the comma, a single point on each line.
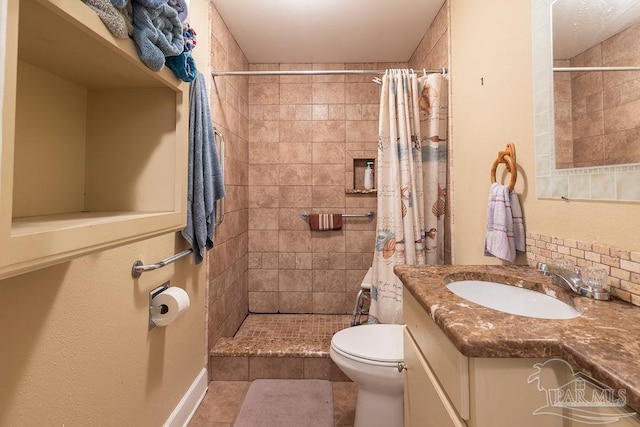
[508, 157]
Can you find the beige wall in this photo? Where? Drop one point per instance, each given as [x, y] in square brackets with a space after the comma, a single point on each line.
[491, 105]
[76, 349]
[75, 344]
[491, 44]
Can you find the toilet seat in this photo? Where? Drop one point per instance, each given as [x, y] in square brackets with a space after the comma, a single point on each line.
[374, 344]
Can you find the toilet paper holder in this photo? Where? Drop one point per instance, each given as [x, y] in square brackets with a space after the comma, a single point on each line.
[157, 310]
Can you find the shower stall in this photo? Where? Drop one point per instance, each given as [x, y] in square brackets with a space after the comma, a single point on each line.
[298, 139]
[310, 134]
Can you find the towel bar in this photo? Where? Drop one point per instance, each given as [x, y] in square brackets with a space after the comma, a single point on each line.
[138, 267]
[508, 157]
[220, 202]
[305, 216]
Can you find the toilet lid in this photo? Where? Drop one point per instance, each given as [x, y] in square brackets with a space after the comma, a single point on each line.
[381, 343]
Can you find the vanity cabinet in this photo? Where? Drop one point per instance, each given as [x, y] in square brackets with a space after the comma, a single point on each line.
[445, 388]
[94, 144]
[425, 402]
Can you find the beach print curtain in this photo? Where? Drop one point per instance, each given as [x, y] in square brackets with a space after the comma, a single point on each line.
[433, 126]
[400, 230]
[406, 106]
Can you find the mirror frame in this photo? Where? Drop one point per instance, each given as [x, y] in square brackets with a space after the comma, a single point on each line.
[612, 183]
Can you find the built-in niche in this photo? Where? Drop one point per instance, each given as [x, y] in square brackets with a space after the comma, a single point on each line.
[93, 142]
[356, 164]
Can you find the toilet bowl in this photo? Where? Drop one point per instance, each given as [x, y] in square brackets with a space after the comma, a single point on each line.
[369, 356]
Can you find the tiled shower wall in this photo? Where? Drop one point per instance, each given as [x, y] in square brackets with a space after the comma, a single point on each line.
[432, 52]
[228, 260]
[304, 132]
[622, 265]
[597, 112]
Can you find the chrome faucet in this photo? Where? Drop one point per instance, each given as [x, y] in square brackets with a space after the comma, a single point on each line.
[570, 279]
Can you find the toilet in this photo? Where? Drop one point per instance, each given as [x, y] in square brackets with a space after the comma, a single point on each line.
[369, 355]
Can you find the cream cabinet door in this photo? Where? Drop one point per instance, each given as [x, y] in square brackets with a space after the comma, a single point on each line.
[425, 403]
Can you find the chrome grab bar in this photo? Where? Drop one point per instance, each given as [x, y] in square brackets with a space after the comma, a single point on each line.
[220, 202]
[138, 267]
[305, 216]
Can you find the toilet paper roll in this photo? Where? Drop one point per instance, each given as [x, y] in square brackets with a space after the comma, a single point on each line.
[175, 301]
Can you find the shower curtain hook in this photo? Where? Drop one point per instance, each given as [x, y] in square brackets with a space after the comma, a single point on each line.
[424, 72]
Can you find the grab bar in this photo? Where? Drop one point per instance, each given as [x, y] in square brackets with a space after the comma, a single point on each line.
[364, 215]
[305, 216]
[138, 267]
[220, 202]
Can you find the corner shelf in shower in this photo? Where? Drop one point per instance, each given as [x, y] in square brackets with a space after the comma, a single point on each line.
[93, 142]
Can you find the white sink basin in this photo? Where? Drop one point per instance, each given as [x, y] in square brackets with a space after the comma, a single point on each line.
[512, 300]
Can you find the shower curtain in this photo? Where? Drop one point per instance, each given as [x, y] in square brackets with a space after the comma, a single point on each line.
[433, 125]
[408, 110]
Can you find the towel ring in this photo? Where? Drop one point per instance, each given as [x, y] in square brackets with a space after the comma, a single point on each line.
[508, 157]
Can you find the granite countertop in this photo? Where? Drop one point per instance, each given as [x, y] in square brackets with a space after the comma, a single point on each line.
[603, 343]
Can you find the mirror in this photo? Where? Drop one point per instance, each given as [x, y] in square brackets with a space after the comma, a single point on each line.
[597, 180]
[597, 113]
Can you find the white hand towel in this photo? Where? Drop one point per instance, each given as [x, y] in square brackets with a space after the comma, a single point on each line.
[518, 222]
[500, 241]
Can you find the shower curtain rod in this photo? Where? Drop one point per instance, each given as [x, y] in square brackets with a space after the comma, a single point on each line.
[443, 70]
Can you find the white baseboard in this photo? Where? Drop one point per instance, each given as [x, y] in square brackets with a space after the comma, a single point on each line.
[183, 413]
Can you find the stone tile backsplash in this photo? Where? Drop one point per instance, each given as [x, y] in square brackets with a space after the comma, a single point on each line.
[623, 265]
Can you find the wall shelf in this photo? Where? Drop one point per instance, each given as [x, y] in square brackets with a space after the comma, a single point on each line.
[93, 142]
[355, 164]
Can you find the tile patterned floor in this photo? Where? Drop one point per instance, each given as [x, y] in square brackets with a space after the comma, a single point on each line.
[285, 335]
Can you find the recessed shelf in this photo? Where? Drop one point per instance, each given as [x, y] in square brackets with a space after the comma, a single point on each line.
[359, 166]
[47, 223]
[93, 150]
[68, 39]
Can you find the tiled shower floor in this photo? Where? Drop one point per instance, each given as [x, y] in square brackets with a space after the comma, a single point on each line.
[283, 335]
[294, 326]
[293, 346]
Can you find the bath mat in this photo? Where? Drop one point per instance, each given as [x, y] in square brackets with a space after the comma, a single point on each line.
[284, 403]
